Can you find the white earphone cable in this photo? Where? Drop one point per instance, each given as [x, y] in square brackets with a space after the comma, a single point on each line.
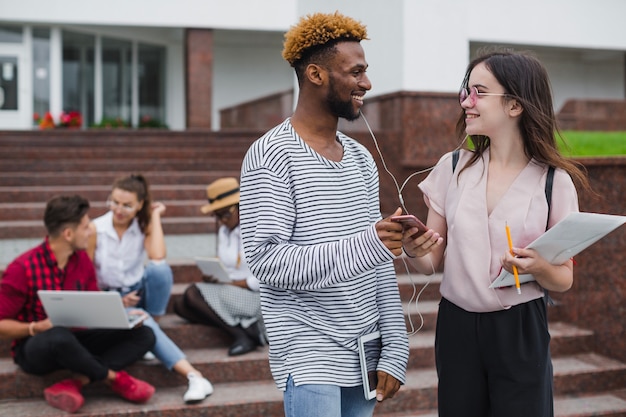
[414, 298]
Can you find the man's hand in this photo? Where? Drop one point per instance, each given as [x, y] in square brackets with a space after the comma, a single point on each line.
[387, 386]
[390, 233]
[41, 326]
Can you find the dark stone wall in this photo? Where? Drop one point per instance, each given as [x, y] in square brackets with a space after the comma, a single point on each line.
[262, 113]
[599, 115]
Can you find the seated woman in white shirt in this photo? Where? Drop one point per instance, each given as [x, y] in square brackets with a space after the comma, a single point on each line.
[120, 243]
[234, 307]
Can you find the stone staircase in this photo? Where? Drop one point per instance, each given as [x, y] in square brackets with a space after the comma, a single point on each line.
[586, 384]
[35, 166]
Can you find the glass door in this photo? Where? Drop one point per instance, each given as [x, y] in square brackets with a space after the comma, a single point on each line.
[15, 107]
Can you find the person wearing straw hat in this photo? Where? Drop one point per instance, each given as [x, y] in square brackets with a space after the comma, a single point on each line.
[234, 307]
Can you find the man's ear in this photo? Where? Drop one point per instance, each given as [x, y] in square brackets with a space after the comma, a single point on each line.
[68, 234]
[315, 74]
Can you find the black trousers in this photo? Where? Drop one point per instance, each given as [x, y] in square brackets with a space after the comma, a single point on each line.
[494, 364]
[87, 352]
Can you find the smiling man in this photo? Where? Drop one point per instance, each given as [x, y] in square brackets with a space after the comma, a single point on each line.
[313, 234]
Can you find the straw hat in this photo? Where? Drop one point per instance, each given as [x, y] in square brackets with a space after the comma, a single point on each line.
[221, 193]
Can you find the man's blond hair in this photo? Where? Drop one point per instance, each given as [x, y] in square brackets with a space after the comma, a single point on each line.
[318, 29]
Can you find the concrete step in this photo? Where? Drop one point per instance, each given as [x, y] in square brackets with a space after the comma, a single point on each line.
[608, 404]
[20, 229]
[241, 399]
[98, 193]
[210, 150]
[581, 372]
[143, 139]
[34, 211]
[173, 163]
[182, 249]
[154, 175]
[254, 399]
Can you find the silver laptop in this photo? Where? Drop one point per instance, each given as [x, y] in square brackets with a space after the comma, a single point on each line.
[91, 309]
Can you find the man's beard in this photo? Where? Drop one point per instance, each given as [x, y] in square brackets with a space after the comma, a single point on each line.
[343, 109]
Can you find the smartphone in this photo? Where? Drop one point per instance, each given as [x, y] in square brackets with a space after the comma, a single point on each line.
[408, 221]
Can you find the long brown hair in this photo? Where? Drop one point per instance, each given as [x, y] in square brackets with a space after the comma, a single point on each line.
[137, 184]
[525, 79]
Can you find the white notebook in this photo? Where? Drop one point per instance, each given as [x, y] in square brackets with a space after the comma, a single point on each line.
[370, 346]
[90, 309]
[567, 238]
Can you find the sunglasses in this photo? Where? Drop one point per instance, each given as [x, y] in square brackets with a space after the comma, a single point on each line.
[472, 93]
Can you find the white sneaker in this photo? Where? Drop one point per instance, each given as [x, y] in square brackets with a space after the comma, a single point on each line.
[148, 356]
[199, 388]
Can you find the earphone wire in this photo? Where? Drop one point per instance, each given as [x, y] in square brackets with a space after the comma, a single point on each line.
[414, 297]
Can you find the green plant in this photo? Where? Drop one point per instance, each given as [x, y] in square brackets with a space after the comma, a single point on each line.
[147, 121]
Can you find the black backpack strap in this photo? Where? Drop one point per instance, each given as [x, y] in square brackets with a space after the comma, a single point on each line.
[548, 191]
[549, 182]
[455, 158]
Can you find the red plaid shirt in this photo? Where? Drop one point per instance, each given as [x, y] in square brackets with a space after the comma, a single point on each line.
[35, 270]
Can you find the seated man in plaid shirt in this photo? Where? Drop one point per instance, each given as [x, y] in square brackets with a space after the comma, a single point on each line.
[61, 263]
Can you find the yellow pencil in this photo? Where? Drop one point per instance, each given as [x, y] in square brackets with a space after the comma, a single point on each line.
[508, 236]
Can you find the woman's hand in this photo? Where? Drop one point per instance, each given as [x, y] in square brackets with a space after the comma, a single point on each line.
[158, 208]
[131, 299]
[210, 279]
[421, 245]
[528, 261]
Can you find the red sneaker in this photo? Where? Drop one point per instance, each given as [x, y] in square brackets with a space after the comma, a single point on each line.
[65, 395]
[132, 389]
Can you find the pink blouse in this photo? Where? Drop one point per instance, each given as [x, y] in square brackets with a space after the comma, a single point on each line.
[476, 240]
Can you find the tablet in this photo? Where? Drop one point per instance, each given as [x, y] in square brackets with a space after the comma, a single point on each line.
[213, 267]
[370, 346]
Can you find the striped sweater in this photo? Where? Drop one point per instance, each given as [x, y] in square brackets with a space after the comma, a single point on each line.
[308, 233]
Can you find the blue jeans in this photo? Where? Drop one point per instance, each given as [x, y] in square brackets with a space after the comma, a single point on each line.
[326, 401]
[164, 348]
[156, 286]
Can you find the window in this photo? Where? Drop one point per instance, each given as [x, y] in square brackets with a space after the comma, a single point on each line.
[151, 85]
[41, 71]
[78, 75]
[10, 34]
[116, 80]
[8, 83]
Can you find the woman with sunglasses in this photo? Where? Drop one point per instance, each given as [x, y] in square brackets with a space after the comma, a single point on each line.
[121, 242]
[492, 345]
[234, 307]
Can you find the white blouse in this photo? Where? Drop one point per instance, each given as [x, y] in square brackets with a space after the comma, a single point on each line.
[230, 252]
[119, 262]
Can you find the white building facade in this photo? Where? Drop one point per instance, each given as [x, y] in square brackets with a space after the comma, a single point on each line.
[125, 60]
